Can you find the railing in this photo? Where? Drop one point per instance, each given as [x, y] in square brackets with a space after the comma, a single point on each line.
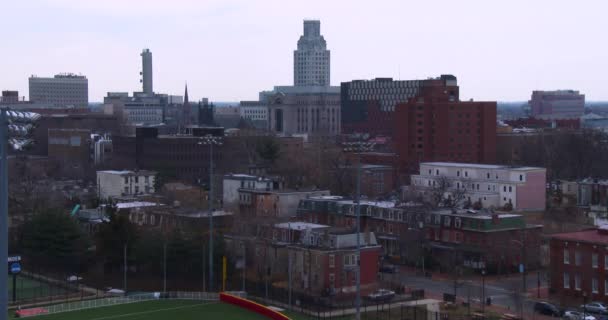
[118, 300]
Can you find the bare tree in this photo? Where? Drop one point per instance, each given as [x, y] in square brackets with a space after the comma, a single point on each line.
[445, 194]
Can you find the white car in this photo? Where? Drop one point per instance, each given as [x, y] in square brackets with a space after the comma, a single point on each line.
[576, 315]
[382, 295]
[595, 307]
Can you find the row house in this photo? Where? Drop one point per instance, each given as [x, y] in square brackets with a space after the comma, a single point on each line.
[255, 203]
[579, 265]
[493, 186]
[473, 239]
[322, 260]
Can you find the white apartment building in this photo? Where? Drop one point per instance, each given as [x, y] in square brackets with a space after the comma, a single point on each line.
[62, 90]
[493, 186]
[111, 183]
[234, 182]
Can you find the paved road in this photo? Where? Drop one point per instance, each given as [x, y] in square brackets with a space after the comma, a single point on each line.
[500, 290]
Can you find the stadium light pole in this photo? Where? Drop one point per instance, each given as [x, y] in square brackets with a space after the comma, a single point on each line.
[15, 127]
[357, 148]
[211, 140]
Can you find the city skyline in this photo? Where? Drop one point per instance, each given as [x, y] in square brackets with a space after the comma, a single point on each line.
[498, 51]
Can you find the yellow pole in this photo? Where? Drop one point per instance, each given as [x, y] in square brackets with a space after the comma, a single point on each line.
[224, 273]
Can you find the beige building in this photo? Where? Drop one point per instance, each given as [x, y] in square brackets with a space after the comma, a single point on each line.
[112, 184]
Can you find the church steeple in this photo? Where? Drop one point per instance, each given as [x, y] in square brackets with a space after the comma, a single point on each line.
[186, 95]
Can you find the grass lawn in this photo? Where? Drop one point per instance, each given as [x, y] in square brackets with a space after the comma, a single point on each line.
[159, 310]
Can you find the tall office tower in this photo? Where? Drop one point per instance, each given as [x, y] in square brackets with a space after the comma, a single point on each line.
[146, 73]
[311, 61]
[62, 90]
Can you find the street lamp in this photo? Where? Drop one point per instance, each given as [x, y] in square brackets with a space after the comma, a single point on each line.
[357, 148]
[15, 127]
[211, 140]
[483, 292]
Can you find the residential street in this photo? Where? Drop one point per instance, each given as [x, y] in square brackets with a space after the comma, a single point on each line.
[499, 289]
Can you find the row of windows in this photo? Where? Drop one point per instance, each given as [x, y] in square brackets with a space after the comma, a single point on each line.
[578, 257]
[577, 284]
[385, 84]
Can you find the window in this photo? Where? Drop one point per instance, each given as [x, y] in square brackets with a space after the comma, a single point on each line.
[594, 262]
[458, 173]
[510, 189]
[446, 221]
[566, 280]
[126, 179]
[127, 190]
[457, 222]
[332, 261]
[136, 189]
[521, 177]
[577, 258]
[594, 286]
[566, 256]
[577, 282]
[488, 175]
[466, 173]
[332, 280]
[504, 188]
[437, 219]
[458, 237]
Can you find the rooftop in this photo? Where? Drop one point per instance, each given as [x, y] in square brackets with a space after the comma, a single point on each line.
[129, 172]
[136, 204]
[599, 236]
[479, 166]
[298, 225]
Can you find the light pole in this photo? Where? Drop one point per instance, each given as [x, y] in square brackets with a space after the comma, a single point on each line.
[211, 140]
[483, 292]
[15, 126]
[357, 148]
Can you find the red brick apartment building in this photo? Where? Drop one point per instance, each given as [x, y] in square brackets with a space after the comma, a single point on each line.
[433, 128]
[579, 265]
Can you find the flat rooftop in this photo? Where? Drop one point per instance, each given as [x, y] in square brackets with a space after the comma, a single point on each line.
[479, 166]
[298, 225]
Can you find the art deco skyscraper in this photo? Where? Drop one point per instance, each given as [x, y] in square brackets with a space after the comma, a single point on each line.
[311, 61]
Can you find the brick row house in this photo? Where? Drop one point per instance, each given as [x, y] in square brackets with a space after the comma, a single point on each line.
[323, 259]
[471, 239]
[579, 265]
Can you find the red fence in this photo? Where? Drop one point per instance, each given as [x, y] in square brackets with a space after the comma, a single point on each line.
[252, 306]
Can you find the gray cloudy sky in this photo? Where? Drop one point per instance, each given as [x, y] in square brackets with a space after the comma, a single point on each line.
[228, 50]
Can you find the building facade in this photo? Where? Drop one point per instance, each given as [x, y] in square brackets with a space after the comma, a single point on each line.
[433, 127]
[579, 265]
[559, 104]
[311, 61]
[112, 184]
[146, 72]
[443, 238]
[304, 110]
[234, 182]
[368, 106]
[493, 186]
[62, 90]
[273, 203]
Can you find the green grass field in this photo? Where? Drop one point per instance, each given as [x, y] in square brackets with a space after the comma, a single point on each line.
[159, 310]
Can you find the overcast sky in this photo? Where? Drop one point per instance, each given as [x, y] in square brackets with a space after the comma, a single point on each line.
[230, 50]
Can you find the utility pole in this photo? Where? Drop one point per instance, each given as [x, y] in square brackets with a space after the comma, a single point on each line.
[211, 140]
[124, 257]
[165, 267]
[3, 214]
[15, 127]
[244, 266]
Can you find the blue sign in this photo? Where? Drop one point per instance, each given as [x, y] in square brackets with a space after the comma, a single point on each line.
[521, 268]
[15, 267]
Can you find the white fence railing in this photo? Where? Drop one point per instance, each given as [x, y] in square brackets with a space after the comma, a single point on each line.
[117, 300]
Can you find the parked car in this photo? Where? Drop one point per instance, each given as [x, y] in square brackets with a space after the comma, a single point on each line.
[595, 307]
[547, 309]
[389, 268]
[577, 315]
[381, 295]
